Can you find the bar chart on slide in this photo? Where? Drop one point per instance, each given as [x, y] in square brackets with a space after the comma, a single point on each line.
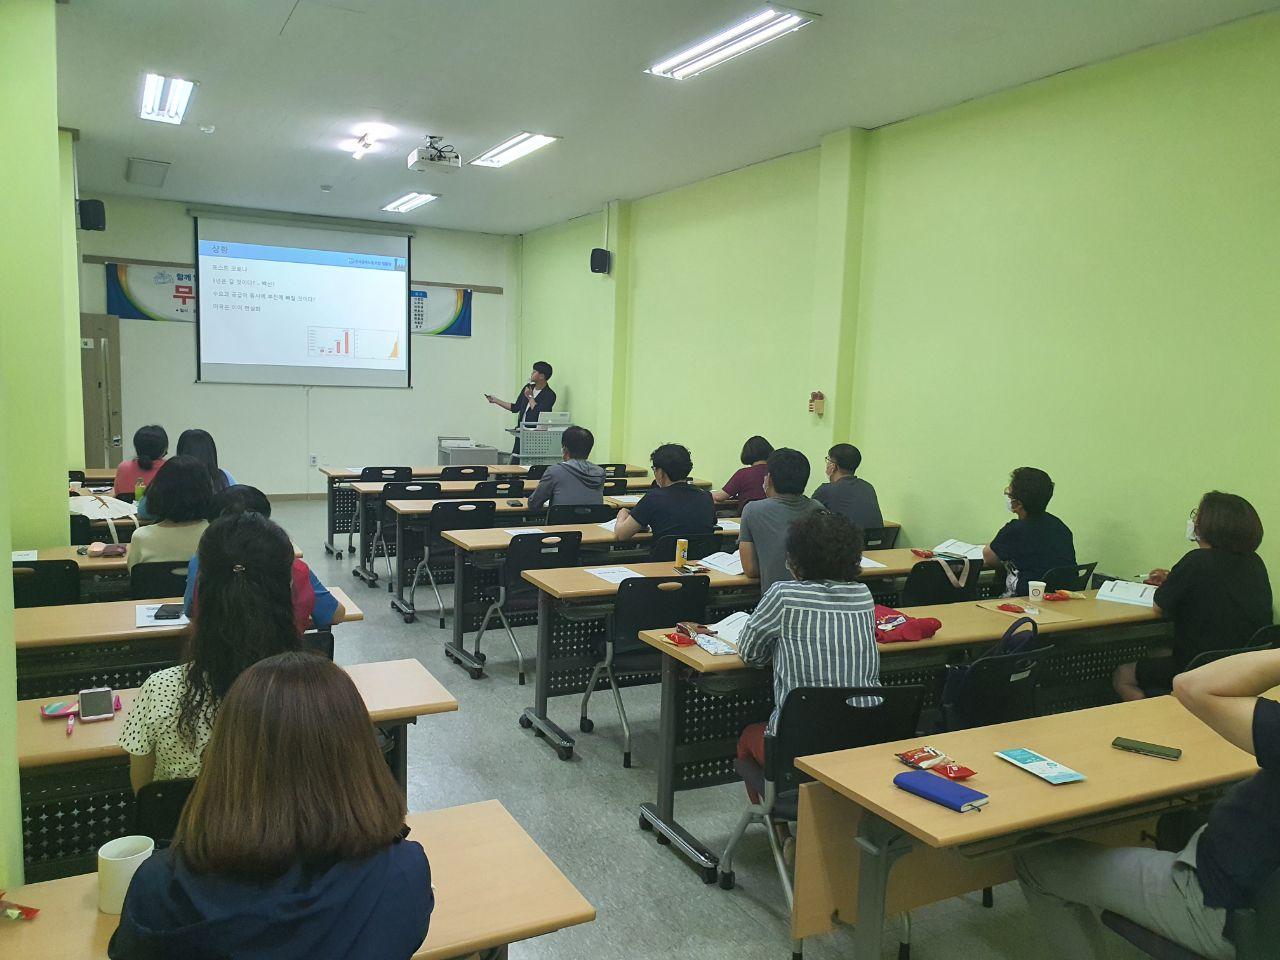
[344, 342]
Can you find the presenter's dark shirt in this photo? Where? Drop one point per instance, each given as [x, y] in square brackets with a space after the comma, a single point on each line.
[527, 412]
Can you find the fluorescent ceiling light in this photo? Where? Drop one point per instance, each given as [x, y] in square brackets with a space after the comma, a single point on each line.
[513, 149]
[410, 201]
[165, 99]
[753, 32]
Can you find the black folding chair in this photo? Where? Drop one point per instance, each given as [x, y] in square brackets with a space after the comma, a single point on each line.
[45, 583]
[1069, 578]
[470, 472]
[702, 545]
[615, 487]
[158, 807]
[398, 490]
[928, 582]
[880, 538]
[81, 530]
[536, 471]
[614, 469]
[151, 581]
[816, 720]
[527, 551]
[375, 475]
[75, 476]
[1255, 931]
[996, 689]
[1268, 638]
[643, 603]
[500, 488]
[580, 513]
[448, 515]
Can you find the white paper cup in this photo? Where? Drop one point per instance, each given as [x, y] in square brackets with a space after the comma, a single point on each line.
[1035, 590]
[118, 860]
[75, 484]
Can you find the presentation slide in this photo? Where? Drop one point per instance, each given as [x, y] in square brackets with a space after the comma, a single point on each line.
[301, 305]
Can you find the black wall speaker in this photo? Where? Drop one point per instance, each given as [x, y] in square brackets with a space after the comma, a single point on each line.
[93, 215]
[601, 260]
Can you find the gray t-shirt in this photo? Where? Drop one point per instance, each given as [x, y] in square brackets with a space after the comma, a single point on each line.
[765, 524]
[854, 498]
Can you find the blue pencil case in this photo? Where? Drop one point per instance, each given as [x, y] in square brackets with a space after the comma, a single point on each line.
[954, 796]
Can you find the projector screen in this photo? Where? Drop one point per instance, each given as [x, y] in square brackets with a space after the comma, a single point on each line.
[301, 305]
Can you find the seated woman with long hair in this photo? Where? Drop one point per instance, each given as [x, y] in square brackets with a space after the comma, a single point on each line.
[293, 842]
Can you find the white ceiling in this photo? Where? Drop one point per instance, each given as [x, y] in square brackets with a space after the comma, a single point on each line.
[284, 81]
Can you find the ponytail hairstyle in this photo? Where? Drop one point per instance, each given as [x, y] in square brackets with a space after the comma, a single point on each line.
[199, 444]
[150, 443]
[245, 611]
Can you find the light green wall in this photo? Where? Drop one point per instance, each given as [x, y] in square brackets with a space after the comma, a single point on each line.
[1079, 274]
[721, 300]
[70, 302]
[33, 448]
[1083, 275]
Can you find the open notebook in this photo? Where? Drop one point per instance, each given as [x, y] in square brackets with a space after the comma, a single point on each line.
[730, 563]
[958, 548]
[1126, 591]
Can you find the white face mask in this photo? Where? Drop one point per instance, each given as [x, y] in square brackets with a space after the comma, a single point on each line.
[1008, 504]
[1191, 530]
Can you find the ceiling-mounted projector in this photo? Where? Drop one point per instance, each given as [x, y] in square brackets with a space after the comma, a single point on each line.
[436, 155]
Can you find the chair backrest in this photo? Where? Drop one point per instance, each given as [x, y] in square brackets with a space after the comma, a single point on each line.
[1069, 578]
[615, 486]
[75, 476]
[1268, 636]
[319, 641]
[614, 469]
[158, 807]
[81, 530]
[536, 471]
[928, 583]
[994, 690]
[386, 474]
[45, 583]
[822, 719]
[580, 513]
[462, 515]
[467, 472]
[1209, 656]
[539, 551]
[880, 538]
[703, 545]
[150, 581]
[500, 488]
[125, 497]
[402, 490]
[645, 603]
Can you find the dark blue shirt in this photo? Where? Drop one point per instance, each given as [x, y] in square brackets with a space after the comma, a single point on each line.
[378, 908]
[1031, 547]
[677, 510]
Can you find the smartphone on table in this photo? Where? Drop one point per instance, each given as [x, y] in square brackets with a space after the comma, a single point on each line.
[97, 703]
[1146, 749]
[169, 611]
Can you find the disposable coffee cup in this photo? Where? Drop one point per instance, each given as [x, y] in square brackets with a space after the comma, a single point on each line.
[75, 484]
[1035, 590]
[118, 860]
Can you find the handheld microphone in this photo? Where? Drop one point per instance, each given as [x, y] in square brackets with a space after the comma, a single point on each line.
[529, 385]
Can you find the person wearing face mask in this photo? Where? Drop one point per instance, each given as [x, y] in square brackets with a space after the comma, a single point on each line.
[1218, 595]
[1036, 541]
[848, 494]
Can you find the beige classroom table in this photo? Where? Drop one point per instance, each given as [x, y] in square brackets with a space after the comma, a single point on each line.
[93, 566]
[81, 645]
[493, 886]
[100, 476]
[706, 700]
[854, 824]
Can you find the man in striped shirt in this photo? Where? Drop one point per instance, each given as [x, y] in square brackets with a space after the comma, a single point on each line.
[818, 630]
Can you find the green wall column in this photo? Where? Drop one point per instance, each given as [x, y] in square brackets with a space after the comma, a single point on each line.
[70, 301]
[33, 345]
[615, 344]
[837, 272]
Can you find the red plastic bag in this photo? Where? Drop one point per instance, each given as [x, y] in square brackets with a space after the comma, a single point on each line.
[894, 626]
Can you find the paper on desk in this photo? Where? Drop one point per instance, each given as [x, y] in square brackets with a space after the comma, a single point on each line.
[518, 530]
[1126, 591]
[970, 551]
[869, 564]
[612, 574]
[23, 555]
[1038, 614]
[730, 525]
[609, 525]
[627, 499]
[146, 617]
[730, 563]
[730, 628]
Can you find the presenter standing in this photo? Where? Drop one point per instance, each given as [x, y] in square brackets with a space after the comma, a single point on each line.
[534, 399]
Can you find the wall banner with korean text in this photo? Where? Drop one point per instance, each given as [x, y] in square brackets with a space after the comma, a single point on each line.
[136, 291]
[439, 311]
